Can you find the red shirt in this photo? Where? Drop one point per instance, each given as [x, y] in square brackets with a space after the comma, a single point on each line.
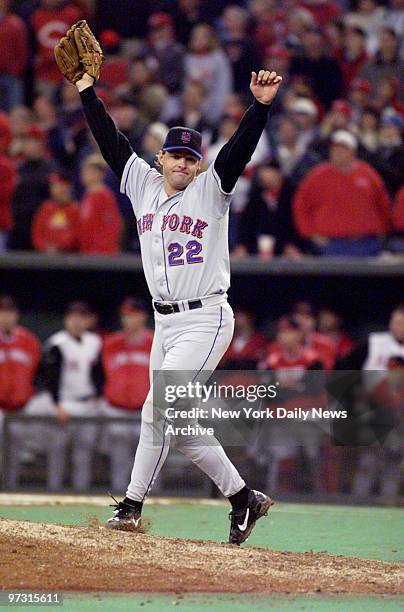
[100, 223]
[56, 225]
[19, 359]
[244, 348]
[126, 368]
[49, 25]
[334, 204]
[8, 178]
[13, 45]
[398, 211]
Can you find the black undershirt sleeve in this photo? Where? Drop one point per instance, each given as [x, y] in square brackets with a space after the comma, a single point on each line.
[114, 146]
[52, 367]
[236, 153]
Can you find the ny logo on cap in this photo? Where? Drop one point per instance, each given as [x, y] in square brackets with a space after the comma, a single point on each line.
[186, 137]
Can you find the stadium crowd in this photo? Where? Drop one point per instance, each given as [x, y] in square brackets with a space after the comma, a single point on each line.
[327, 175]
[84, 371]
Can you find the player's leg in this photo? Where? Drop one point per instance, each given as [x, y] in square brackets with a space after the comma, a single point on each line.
[197, 344]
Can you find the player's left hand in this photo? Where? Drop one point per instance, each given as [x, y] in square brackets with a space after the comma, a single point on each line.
[264, 85]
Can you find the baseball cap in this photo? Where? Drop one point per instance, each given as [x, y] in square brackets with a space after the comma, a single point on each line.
[7, 302]
[36, 132]
[180, 137]
[278, 51]
[110, 39]
[362, 85]
[286, 323]
[132, 304]
[343, 107]
[345, 138]
[59, 177]
[304, 106]
[78, 307]
[158, 20]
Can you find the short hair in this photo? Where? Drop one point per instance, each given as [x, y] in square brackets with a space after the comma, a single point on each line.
[97, 161]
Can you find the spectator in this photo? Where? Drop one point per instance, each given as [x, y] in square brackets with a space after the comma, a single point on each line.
[394, 16]
[342, 205]
[13, 58]
[55, 227]
[74, 380]
[153, 140]
[330, 326]
[385, 345]
[268, 212]
[19, 358]
[359, 96]
[206, 63]
[8, 176]
[125, 359]
[352, 57]
[237, 46]
[398, 216]
[187, 14]
[389, 159]
[304, 316]
[367, 130]
[21, 120]
[338, 118]
[293, 363]
[191, 111]
[305, 113]
[386, 62]
[164, 55]
[100, 221]
[31, 190]
[115, 68]
[248, 345]
[49, 22]
[369, 17]
[321, 71]
[288, 149]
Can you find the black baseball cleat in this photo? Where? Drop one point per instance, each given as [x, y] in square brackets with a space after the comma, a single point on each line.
[125, 517]
[243, 521]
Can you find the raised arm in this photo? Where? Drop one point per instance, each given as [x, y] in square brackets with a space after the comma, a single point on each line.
[237, 152]
[114, 146]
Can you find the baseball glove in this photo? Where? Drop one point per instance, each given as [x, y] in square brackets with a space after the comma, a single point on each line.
[79, 52]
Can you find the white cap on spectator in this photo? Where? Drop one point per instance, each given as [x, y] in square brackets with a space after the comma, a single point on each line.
[304, 106]
[343, 137]
[158, 130]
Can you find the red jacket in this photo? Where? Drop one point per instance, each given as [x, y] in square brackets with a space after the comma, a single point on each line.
[245, 349]
[8, 179]
[49, 25]
[398, 211]
[56, 225]
[100, 223]
[126, 369]
[334, 204]
[19, 359]
[13, 45]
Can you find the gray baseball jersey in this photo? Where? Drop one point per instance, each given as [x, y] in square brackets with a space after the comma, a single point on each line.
[183, 238]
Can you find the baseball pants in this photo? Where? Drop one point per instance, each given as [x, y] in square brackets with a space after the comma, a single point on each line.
[193, 340]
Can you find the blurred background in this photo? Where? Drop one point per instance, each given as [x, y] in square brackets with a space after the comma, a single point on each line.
[316, 231]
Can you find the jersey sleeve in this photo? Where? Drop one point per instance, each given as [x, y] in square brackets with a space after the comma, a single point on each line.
[214, 199]
[137, 176]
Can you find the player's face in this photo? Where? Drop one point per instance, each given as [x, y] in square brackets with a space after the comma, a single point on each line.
[8, 320]
[76, 323]
[397, 325]
[179, 168]
[134, 321]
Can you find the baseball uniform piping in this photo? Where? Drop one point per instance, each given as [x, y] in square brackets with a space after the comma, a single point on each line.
[164, 251]
[214, 342]
[127, 173]
[158, 461]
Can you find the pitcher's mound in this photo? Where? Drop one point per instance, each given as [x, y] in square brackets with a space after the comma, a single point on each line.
[54, 557]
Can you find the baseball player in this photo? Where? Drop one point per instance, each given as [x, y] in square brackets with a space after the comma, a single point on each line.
[74, 378]
[125, 362]
[182, 220]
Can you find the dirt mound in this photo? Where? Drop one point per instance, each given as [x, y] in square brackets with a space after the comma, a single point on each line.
[55, 557]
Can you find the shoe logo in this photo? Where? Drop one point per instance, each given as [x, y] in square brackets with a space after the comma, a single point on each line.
[243, 527]
[136, 522]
